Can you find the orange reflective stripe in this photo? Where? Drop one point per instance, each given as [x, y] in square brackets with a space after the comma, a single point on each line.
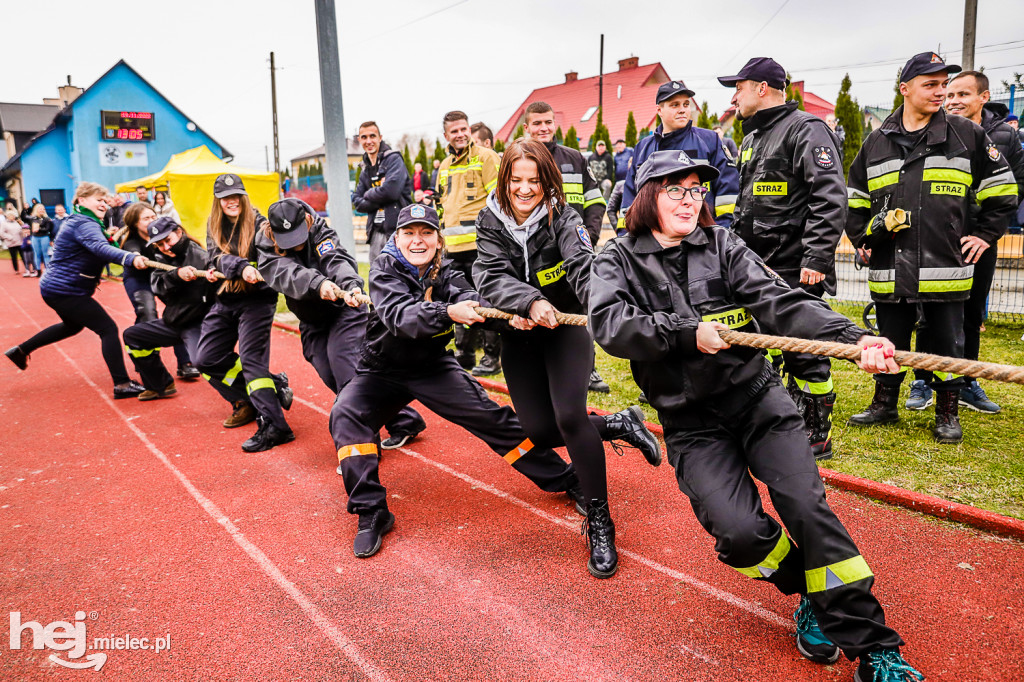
[356, 450]
[518, 451]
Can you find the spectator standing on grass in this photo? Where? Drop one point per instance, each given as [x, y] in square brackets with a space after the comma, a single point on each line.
[42, 228]
[10, 236]
[603, 167]
[420, 180]
[384, 187]
[433, 173]
[164, 207]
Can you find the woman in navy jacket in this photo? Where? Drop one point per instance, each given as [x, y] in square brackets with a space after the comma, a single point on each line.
[79, 256]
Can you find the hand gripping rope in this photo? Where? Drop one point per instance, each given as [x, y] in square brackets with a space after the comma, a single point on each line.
[201, 273]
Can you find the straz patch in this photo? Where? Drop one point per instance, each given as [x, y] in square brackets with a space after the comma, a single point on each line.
[824, 157]
[551, 275]
[993, 153]
[771, 189]
[734, 319]
[325, 246]
[584, 236]
[953, 189]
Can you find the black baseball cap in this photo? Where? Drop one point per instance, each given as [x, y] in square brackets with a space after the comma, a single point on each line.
[418, 213]
[671, 89]
[160, 228]
[925, 63]
[228, 184]
[670, 162]
[759, 69]
[288, 222]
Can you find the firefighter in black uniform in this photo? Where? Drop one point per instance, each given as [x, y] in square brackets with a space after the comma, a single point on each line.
[913, 190]
[187, 297]
[791, 211]
[533, 258]
[658, 297]
[300, 257]
[243, 313]
[417, 300]
[579, 187]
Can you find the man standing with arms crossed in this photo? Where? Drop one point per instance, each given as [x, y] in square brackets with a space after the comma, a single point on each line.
[791, 211]
[384, 187]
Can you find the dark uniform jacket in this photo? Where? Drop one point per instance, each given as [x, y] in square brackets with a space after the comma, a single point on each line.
[232, 265]
[582, 191]
[558, 258]
[953, 165]
[383, 191]
[646, 302]
[405, 332]
[299, 274]
[792, 204]
[185, 303]
[993, 120]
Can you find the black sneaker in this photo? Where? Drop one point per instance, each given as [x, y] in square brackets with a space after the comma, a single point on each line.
[18, 357]
[396, 440]
[628, 426]
[885, 665]
[285, 395]
[189, 372]
[597, 384]
[810, 641]
[131, 390]
[267, 436]
[575, 493]
[488, 366]
[373, 526]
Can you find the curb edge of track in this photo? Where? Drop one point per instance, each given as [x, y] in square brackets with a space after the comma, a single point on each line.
[883, 492]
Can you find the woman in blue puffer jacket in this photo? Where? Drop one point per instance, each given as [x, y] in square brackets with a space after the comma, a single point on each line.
[79, 256]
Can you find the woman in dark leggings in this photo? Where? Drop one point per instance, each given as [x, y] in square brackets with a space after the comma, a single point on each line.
[81, 252]
[533, 258]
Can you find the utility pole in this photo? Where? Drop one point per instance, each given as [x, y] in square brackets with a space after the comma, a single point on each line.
[970, 31]
[335, 140]
[266, 155]
[273, 101]
[600, 80]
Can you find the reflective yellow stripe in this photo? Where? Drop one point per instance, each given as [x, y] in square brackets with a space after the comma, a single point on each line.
[944, 285]
[229, 378]
[356, 450]
[489, 187]
[449, 330]
[997, 191]
[815, 387]
[458, 170]
[774, 352]
[770, 563]
[518, 451]
[551, 275]
[883, 181]
[857, 202]
[725, 208]
[946, 376]
[260, 384]
[946, 175]
[142, 352]
[734, 319]
[598, 200]
[882, 287]
[576, 187]
[460, 239]
[746, 154]
[837, 574]
[771, 189]
[206, 376]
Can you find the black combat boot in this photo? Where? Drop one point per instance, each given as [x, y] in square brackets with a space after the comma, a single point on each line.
[818, 422]
[883, 408]
[947, 417]
[600, 530]
[798, 396]
[628, 426]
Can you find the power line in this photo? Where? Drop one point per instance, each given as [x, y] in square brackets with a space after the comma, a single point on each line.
[378, 34]
[763, 27]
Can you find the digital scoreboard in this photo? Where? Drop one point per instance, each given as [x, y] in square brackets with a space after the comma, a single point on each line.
[135, 126]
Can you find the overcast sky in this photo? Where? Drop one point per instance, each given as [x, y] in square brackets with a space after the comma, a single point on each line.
[406, 62]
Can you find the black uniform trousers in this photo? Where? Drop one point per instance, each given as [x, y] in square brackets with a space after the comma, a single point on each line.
[945, 336]
[812, 373]
[548, 372]
[247, 322]
[466, 338]
[716, 464]
[373, 397]
[333, 350]
[144, 302]
[144, 341]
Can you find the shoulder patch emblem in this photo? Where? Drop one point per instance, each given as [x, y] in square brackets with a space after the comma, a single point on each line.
[325, 246]
[993, 153]
[824, 157]
[584, 236]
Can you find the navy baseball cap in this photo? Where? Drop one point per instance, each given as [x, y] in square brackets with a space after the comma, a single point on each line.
[925, 63]
[418, 213]
[228, 184]
[759, 69]
[288, 222]
[1011, 117]
[671, 162]
[671, 89]
[160, 228]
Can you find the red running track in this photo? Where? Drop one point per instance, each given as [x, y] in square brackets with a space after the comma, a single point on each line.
[149, 519]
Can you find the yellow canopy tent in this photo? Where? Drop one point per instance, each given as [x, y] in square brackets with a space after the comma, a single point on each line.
[189, 176]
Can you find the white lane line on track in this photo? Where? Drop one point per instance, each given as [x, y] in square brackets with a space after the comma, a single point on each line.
[700, 585]
[347, 647]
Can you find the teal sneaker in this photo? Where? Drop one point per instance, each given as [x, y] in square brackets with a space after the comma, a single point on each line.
[885, 665]
[810, 641]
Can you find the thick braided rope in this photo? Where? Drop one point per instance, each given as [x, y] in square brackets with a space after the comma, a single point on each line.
[164, 266]
[935, 363]
[494, 313]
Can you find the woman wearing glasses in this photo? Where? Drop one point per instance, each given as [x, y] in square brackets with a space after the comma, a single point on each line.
[659, 297]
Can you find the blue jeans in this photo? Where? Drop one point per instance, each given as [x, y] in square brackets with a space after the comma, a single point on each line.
[41, 251]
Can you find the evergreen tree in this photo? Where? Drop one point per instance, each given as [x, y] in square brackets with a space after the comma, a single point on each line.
[571, 140]
[439, 152]
[499, 146]
[794, 94]
[559, 136]
[703, 118]
[849, 115]
[407, 158]
[421, 156]
[737, 131]
[359, 171]
[630, 136]
[520, 132]
[897, 101]
[600, 133]
[644, 132]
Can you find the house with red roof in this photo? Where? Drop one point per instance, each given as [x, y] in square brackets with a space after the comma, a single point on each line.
[575, 102]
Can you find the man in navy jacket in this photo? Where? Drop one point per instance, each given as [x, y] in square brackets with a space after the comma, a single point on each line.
[384, 187]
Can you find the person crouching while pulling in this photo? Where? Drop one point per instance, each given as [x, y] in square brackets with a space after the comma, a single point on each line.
[659, 297]
[418, 297]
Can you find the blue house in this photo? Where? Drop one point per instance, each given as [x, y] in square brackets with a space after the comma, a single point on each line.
[117, 129]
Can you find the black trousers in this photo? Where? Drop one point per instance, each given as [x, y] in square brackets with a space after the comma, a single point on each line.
[77, 313]
[248, 323]
[374, 397]
[15, 252]
[548, 372]
[716, 465]
[812, 373]
[945, 335]
[144, 302]
[468, 338]
[333, 350]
